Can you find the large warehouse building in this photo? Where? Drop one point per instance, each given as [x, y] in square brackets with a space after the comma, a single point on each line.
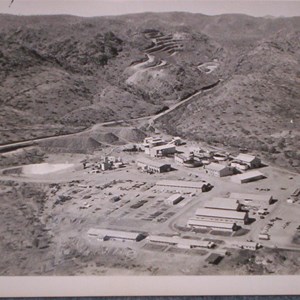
[180, 242]
[183, 184]
[117, 235]
[223, 203]
[153, 166]
[220, 215]
[248, 177]
[267, 198]
[204, 224]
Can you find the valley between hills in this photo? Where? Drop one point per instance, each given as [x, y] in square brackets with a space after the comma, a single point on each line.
[65, 74]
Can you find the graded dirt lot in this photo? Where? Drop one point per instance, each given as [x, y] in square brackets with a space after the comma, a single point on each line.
[47, 215]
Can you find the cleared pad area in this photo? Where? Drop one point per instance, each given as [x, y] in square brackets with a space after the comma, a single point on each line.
[44, 168]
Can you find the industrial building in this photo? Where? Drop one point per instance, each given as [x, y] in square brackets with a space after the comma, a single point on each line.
[248, 177]
[220, 215]
[238, 165]
[245, 245]
[162, 150]
[223, 203]
[110, 162]
[205, 224]
[189, 161]
[183, 184]
[180, 158]
[153, 142]
[174, 199]
[250, 160]
[180, 242]
[116, 235]
[153, 166]
[150, 142]
[218, 170]
[266, 198]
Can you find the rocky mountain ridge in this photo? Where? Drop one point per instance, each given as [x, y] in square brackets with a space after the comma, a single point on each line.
[62, 74]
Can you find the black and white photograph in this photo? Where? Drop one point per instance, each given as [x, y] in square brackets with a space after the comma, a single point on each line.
[149, 138]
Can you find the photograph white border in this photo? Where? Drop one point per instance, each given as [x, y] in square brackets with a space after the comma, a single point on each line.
[91, 286]
[88, 286]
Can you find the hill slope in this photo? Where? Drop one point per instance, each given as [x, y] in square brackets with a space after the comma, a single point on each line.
[62, 74]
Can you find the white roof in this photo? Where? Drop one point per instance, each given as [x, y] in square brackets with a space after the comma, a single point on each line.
[161, 239]
[215, 167]
[197, 222]
[175, 240]
[162, 147]
[95, 232]
[222, 203]
[245, 157]
[113, 233]
[150, 162]
[219, 213]
[181, 184]
[245, 244]
[247, 175]
[265, 197]
[174, 197]
[152, 139]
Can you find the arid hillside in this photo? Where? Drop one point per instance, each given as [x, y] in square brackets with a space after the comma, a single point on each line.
[65, 73]
[256, 107]
[62, 74]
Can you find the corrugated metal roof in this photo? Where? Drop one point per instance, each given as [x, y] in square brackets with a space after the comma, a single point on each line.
[219, 213]
[181, 183]
[222, 203]
[175, 240]
[197, 222]
[247, 175]
[163, 147]
[266, 197]
[245, 157]
[215, 167]
[245, 244]
[113, 233]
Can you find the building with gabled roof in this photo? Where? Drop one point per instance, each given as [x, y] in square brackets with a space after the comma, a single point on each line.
[180, 242]
[223, 203]
[153, 166]
[174, 199]
[248, 177]
[221, 215]
[107, 234]
[162, 150]
[218, 170]
[245, 245]
[214, 225]
[252, 197]
[182, 184]
[250, 160]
